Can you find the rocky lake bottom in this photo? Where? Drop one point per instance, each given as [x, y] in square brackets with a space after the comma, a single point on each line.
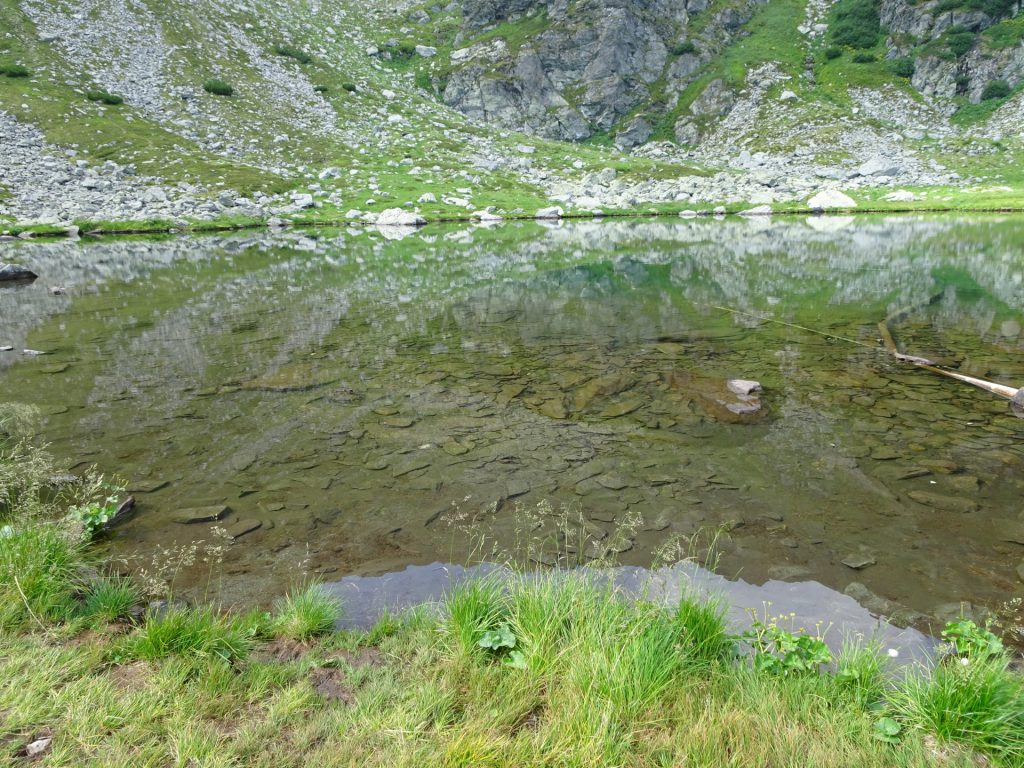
[351, 403]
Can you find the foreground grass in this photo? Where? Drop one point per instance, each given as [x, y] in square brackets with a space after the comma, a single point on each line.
[556, 669]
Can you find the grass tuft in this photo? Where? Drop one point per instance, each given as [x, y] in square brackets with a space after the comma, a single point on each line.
[195, 633]
[39, 564]
[110, 599]
[703, 631]
[973, 701]
[304, 613]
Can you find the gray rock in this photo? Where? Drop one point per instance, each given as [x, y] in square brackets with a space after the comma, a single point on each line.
[743, 386]
[554, 212]
[637, 132]
[396, 217]
[878, 166]
[154, 195]
[858, 561]
[831, 198]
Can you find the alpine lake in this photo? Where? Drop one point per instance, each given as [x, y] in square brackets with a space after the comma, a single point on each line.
[353, 402]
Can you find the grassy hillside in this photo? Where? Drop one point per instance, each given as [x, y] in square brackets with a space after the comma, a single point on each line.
[311, 111]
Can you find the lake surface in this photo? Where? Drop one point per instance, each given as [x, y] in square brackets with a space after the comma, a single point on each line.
[373, 402]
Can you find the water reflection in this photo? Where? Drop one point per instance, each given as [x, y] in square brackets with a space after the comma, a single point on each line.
[340, 392]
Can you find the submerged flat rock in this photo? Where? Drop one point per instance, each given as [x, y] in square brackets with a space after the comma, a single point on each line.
[295, 377]
[240, 528]
[943, 502]
[210, 514]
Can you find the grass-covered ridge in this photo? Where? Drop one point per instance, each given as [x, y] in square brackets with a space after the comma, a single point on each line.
[549, 669]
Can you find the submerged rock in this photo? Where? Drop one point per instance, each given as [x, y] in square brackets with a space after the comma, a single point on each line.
[943, 502]
[858, 561]
[292, 377]
[193, 515]
[743, 386]
[729, 401]
[240, 528]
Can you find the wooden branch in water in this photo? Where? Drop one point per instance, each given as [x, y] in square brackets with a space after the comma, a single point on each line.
[1013, 394]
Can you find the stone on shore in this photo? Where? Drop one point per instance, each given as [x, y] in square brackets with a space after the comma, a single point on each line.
[396, 217]
[554, 212]
[831, 198]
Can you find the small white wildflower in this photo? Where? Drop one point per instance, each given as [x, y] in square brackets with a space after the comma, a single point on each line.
[965, 661]
[893, 653]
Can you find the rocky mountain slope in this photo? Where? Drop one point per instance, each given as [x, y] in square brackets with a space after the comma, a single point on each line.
[184, 111]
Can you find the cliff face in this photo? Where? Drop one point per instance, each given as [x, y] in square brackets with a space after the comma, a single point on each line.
[958, 51]
[642, 69]
[583, 66]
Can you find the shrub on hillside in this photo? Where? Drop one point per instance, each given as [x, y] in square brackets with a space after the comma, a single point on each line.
[350, 87]
[406, 49]
[833, 52]
[960, 40]
[14, 70]
[997, 89]
[857, 23]
[293, 53]
[864, 58]
[903, 67]
[104, 97]
[686, 46]
[997, 9]
[218, 88]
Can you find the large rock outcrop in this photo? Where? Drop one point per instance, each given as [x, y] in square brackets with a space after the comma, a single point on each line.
[578, 71]
[923, 31]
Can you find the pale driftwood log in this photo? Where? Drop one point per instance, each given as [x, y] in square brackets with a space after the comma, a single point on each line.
[1014, 394]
